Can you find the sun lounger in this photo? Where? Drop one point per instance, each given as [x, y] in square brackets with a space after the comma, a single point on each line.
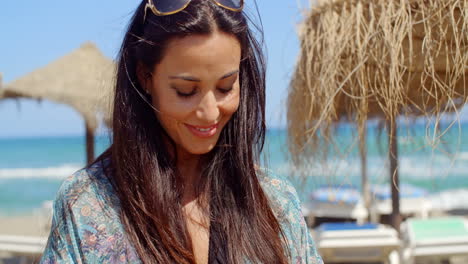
[29, 248]
[22, 245]
[336, 202]
[435, 239]
[354, 243]
[413, 201]
[23, 248]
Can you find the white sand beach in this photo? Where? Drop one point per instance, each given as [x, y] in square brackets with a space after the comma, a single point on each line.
[26, 225]
[32, 225]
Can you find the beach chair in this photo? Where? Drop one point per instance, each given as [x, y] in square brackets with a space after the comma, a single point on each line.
[336, 201]
[414, 201]
[24, 248]
[28, 249]
[437, 239]
[354, 243]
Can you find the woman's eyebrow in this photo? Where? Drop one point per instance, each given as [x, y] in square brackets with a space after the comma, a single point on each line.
[193, 79]
[229, 74]
[185, 78]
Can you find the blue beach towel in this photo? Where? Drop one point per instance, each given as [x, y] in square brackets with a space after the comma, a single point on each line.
[346, 226]
[337, 194]
[384, 191]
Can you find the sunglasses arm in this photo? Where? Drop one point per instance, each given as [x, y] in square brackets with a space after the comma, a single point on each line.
[153, 9]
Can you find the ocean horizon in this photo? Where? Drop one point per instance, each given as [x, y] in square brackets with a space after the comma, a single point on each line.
[33, 168]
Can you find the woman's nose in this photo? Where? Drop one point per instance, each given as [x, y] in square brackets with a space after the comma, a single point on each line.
[208, 109]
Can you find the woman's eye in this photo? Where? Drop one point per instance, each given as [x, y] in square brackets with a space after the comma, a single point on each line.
[225, 90]
[185, 94]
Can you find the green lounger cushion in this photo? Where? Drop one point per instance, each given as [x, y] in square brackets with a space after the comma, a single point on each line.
[438, 228]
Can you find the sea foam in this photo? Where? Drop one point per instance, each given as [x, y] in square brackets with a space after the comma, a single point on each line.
[410, 167]
[450, 200]
[58, 172]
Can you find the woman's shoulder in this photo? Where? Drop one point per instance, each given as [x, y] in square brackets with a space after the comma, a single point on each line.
[86, 185]
[286, 206]
[86, 226]
[281, 193]
[276, 184]
[88, 196]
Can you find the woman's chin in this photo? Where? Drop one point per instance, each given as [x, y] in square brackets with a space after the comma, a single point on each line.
[200, 150]
[200, 146]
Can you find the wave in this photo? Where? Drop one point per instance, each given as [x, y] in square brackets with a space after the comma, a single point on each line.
[58, 172]
[462, 156]
[410, 167]
[450, 200]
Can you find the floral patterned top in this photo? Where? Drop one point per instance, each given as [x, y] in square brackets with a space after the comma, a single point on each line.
[86, 227]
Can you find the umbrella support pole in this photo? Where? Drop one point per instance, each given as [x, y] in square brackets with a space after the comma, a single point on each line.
[394, 176]
[89, 144]
[364, 178]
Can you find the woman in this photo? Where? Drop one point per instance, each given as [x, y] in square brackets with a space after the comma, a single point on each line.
[179, 183]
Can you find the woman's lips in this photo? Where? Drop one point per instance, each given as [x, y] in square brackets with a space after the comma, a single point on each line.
[203, 131]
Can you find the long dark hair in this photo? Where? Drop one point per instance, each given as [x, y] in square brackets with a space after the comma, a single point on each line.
[144, 173]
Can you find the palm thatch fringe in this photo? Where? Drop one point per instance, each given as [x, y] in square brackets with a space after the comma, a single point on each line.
[362, 59]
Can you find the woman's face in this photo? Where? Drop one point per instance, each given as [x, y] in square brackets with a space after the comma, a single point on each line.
[196, 89]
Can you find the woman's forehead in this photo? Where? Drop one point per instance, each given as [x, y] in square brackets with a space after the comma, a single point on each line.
[214, 54]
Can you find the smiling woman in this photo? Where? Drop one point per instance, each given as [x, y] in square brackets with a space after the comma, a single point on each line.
[195, 89]
[180, 182]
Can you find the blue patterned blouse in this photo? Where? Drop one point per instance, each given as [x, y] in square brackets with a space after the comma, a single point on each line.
[86, 227]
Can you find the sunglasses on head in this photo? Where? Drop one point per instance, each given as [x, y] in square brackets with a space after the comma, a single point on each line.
[169, 7]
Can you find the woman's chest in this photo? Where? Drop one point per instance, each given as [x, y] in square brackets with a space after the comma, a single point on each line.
[198, 229]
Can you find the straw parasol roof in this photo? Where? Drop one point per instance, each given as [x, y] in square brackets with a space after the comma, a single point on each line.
[82, 79]
[377, 58]
[1, 84]
[363, 59]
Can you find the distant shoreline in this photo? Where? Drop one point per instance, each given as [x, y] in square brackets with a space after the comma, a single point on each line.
[105, 132]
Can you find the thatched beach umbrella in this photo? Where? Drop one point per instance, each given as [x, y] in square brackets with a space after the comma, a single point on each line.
[1, 83]
[82, 79]
[363, 59]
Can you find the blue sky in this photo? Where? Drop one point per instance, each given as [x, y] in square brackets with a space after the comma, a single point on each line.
[35, 33]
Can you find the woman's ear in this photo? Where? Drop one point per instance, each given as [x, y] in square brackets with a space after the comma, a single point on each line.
[143, 75]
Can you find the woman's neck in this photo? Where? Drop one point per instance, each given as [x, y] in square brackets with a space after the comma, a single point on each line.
[188, 166]
[189, 169]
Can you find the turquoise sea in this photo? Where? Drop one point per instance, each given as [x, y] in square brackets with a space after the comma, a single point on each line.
[32, 169]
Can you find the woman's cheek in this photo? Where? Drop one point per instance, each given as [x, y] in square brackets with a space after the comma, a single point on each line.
[232, 104]
[175, 106]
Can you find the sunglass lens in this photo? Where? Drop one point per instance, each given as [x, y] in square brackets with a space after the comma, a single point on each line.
[234, 4]
[168, 6]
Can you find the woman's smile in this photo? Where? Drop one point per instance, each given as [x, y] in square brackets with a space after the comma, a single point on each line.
[203, 131]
